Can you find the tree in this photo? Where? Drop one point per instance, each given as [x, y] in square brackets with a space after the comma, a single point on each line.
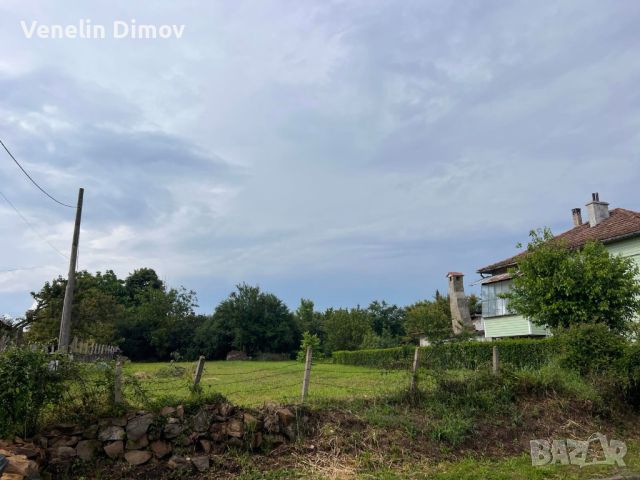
[141, 280]
[386, 320]
[429, 318]
[345, 328]
[559, 287]
[258, 321]
[147, 331]
[97, 307]
[307, 319]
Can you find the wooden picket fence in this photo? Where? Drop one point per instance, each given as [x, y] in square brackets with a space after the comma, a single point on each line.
[83, 351]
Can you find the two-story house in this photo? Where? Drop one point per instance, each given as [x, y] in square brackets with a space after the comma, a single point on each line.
[618, 229]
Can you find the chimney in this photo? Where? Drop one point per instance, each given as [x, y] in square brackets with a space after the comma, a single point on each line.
[460, 316]
[598, 211]
[577, 217]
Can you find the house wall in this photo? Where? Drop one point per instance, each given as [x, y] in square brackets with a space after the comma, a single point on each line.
[627, 248]
[516, 325]
[506, 326]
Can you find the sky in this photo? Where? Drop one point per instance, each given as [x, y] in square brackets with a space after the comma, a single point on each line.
[342, 151]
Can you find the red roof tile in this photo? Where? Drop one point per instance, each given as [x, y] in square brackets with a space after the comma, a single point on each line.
[620, 224]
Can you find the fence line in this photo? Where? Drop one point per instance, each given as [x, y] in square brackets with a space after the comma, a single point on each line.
[283, 377]
[84, 351]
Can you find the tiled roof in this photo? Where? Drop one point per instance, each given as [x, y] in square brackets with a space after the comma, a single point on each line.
[621, 223]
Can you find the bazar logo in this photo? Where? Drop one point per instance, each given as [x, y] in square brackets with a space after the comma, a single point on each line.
[578, 452]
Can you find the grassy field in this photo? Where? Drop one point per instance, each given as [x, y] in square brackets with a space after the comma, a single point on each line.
[253, 383]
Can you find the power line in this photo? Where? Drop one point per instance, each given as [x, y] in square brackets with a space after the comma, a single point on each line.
[22, 269]
[24, 219]
[32, 180]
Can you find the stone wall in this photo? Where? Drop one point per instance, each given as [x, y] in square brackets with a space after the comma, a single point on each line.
[181, 440]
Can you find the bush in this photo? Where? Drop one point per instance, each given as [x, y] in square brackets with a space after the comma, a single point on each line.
[309, 340]
[454, 355]
[29, 381]
[593, 349]
[632, 364]
[399, 357]
[552, 379]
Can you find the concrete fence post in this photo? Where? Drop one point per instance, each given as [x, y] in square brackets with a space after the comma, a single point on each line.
[414, 370]
[307, 373]
[197, 376]
[117, 384]
[496, 360]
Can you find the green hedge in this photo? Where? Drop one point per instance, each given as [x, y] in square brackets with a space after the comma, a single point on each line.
[467, 354]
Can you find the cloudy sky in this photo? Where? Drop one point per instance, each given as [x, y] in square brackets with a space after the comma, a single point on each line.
[338, 150]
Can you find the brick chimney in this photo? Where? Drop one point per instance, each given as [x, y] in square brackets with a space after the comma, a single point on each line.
[576, 213]
[598, 211]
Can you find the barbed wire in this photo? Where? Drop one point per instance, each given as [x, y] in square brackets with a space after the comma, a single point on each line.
[258, 379]
[257, 371]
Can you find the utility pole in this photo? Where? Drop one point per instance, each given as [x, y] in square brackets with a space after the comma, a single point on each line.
[65, 323]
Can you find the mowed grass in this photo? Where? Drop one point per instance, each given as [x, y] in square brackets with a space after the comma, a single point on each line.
[252, 383]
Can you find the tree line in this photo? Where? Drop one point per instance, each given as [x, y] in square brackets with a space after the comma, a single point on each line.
[151, 321]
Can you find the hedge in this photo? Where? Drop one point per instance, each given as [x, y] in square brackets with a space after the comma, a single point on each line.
[465, 354]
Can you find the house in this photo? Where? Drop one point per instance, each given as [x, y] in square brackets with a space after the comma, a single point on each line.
[618, 229]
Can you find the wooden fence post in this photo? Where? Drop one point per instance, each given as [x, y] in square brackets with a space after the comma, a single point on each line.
[307, 373]
[117, 384]
[414, 370]
[199, 369]
[496, 360]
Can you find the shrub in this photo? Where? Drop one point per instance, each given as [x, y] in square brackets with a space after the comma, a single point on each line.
[551, 379]
[593, 349]
[632, 364]
[309, 340]
[398, 357]
[454, 355]
[29, 381]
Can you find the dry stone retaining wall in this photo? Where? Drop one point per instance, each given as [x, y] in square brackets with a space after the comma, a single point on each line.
[171, 436]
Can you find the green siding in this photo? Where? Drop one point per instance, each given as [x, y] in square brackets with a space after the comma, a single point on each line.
[506, 326]
[537, 330]
[627, 248]
[516, 325]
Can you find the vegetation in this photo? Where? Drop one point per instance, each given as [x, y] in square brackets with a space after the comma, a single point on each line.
[455, 355]
[559, 287]
[29, 381]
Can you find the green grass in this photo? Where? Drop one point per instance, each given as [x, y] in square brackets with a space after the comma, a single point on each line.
[253, 383]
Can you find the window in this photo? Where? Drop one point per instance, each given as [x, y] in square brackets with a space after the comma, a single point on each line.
[492, 304]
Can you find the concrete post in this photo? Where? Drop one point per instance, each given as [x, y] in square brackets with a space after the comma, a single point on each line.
[307, 374]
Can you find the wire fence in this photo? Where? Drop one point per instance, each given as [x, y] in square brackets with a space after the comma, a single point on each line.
[252, 383]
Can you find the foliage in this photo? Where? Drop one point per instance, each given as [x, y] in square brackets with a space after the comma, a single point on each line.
[453, 355]
[551, 379]
[559, 287]
[252, 321]
[632, 364]
[309, 340]
[592, 349]
[147, 319]
[431, 319]
[29, 380]
[388, 358]
[150, 328]
[345, 328]
[309, 320]
[387, 321]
